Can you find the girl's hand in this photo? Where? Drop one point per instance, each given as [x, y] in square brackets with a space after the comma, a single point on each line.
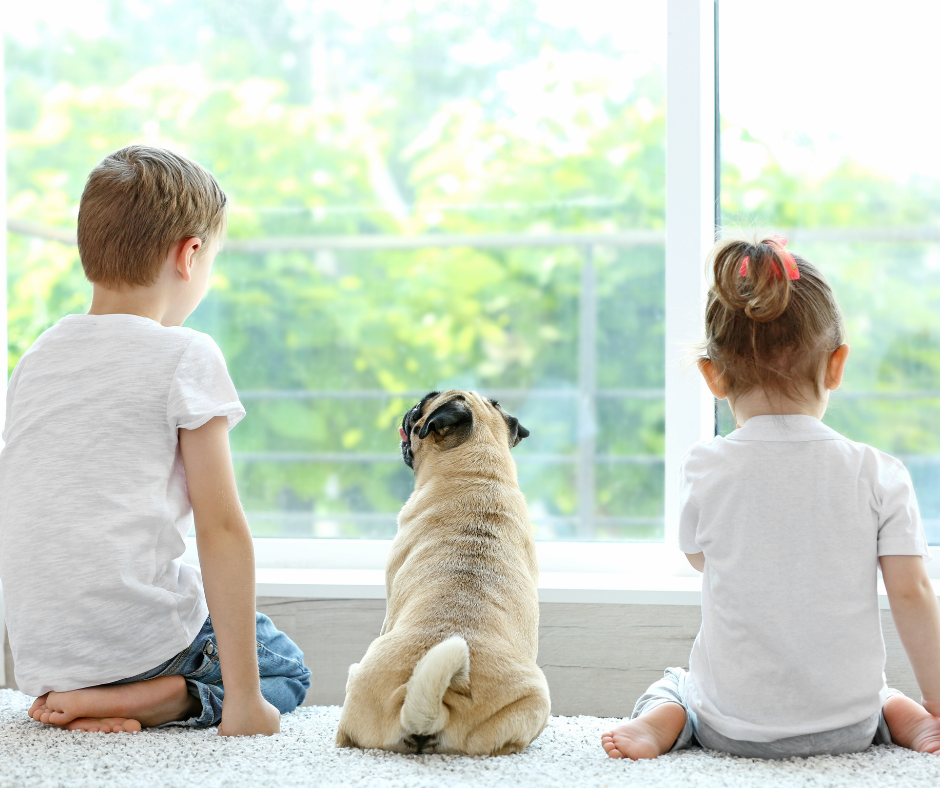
[249, 717]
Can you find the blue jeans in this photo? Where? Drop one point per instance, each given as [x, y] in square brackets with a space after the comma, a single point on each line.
[284, 677]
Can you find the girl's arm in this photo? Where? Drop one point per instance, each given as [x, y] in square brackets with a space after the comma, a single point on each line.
[917, 617]
[697, 560]
[226, 555]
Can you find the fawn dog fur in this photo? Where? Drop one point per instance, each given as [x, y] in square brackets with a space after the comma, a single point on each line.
[454, 668]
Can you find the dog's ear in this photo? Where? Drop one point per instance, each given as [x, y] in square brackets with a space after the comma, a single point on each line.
[448, 418]
[516, 431]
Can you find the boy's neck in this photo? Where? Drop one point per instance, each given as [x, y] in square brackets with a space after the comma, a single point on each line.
[149, 302]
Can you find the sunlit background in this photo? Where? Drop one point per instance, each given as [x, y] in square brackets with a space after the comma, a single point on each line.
[471, 194]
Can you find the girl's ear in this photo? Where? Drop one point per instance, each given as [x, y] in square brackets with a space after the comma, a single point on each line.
[835, 367]
[713, 378]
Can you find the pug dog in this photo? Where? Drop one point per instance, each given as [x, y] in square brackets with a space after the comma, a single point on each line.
[454, 668]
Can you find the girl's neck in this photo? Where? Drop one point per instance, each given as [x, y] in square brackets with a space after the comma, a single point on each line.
[761, 403]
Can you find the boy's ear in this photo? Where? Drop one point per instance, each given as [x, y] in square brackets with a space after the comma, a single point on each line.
[184, 256]
[713, 378]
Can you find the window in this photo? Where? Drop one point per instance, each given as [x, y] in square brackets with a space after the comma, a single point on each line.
[836, 147]
[423, 196]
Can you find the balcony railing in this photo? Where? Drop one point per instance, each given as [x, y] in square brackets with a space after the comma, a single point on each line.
[583, 398]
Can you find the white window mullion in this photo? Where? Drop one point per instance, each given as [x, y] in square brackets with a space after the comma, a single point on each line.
[3, 229]
[690, 228]
[3, 297]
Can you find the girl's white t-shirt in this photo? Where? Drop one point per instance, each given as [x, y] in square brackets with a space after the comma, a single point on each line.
[792, 518]
[93, 498]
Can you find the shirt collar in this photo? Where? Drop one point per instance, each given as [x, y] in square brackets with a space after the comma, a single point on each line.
[113, 317]
[784, 428]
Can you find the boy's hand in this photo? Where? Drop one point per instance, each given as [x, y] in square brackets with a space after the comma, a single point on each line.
[249, 717]
[227, 559]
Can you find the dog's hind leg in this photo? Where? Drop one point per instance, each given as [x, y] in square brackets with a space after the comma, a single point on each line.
[512, 728]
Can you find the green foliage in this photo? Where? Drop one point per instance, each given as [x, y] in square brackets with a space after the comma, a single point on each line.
[414, 134]
[348, 119]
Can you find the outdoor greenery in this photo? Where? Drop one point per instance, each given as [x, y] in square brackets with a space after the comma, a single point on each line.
[375, 119]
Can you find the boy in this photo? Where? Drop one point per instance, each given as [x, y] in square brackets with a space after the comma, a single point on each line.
[116, 435]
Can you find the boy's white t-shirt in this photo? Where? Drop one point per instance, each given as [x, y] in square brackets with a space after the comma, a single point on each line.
[792, 518]
[93, 499]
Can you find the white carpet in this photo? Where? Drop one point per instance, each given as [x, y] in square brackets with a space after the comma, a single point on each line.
[568, 753]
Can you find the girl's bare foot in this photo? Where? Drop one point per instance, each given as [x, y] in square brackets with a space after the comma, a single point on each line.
[648, 736]
[911, 725]
[119, 707]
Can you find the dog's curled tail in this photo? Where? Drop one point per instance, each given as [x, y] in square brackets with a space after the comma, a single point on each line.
[446, 665]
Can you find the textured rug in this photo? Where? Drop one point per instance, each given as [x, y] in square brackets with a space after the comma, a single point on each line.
[568, 753]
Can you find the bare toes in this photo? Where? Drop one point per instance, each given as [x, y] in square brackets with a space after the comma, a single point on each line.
[88, 725]
[39, 703]
[52, 717]
[122, 725]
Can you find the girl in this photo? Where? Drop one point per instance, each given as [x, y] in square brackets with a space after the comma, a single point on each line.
[789, 520]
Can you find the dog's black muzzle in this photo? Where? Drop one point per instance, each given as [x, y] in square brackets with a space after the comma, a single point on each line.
[406, 454]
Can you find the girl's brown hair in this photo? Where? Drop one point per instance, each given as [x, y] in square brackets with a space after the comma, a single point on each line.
[762, 328]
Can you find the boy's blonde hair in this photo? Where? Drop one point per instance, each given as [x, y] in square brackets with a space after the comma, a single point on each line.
[137, 203]
[763, 328]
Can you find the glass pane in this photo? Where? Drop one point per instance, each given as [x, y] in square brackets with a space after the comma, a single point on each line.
[423, 196]
[845, 166]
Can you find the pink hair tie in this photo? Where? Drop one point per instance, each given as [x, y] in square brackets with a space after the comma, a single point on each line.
[789, 263]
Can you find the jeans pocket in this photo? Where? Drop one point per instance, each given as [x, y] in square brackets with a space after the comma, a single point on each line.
[209, 670]
[271, 663]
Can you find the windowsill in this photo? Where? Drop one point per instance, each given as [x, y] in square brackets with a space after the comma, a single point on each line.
[577, 587]
[571, 587]
[573, 572]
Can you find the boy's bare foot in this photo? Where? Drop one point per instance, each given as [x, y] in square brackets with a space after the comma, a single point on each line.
[103, 725]
[119, 707]
[648, 736]
[911, 725]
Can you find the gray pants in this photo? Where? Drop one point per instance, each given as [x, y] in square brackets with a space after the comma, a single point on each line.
[674, 686]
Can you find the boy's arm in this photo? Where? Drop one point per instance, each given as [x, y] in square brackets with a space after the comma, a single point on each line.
[917, 617]
[697, 560]
[226, 556]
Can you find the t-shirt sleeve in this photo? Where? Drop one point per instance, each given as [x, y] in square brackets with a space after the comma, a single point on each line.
[8, 412]
[201, 388]
[688, 511]
[900, 530]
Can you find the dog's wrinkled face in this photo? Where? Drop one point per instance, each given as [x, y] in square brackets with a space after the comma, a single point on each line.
[450, 418]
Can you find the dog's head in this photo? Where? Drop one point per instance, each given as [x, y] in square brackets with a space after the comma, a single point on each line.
[450, 419]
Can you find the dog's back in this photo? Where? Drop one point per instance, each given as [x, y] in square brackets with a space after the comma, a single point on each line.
[455, 667]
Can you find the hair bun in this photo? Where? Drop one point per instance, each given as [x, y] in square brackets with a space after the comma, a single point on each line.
[750, 278]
